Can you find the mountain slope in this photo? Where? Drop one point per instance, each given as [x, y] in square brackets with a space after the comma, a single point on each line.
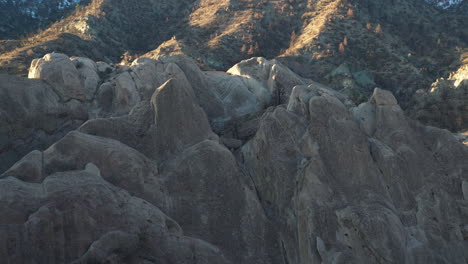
[20, 17]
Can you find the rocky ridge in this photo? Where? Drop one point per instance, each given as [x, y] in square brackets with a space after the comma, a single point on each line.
[166, 163]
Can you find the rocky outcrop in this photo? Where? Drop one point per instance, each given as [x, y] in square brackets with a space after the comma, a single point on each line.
[32, 116]
[85, 219]
[359, 184]
[183, 161]
[278, 79]
[157, 175]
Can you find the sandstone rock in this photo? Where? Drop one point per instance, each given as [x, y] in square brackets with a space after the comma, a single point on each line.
[105, 97]
[281, 81]
[104, 68]
[364, 114]
[301, 94]
[85, 219]
[57, 70]
[32, 117]
[373, 185]
[113, 160]
[30, 168]
[118, 95]
[180, 121]
[88, 75]
[383, 97]
[278, 79]
[137, 129]
[125, 93]
[316, 180]
[180, 189]
[235, 96]
[204, 93]
[197, 205]
[150, 74]
[231, 143]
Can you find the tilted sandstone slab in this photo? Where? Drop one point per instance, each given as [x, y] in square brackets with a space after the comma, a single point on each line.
[359, 184]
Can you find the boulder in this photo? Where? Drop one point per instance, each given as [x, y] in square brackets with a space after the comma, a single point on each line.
[150, 74]
[231, 143]
[235, 96]
[89, 76]
[104, 68]
[383, 97]
[32, 116]
[118, 95]
[125, 93]
[274, 76]
[59, 71]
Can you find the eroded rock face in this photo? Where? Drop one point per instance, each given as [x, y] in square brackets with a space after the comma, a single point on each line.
[295, 173]
[32, 116]
[180, 121]
[186, 161]
[85, 219]
[359, 185]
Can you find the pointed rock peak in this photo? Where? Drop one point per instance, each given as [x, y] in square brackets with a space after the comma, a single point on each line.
[180, 88]
[180, 121]
[383, 97]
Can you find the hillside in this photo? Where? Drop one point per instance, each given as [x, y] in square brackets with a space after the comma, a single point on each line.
[22, 17]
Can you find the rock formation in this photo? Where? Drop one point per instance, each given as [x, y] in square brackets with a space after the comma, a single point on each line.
[446, 104]
[256, 165]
